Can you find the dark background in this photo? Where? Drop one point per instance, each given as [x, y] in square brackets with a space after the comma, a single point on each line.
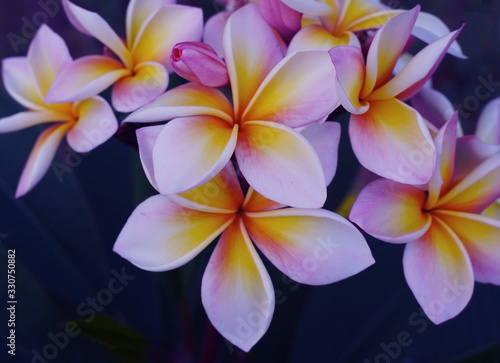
[64, 230]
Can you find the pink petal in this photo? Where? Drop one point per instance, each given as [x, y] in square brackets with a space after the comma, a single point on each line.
[392, 140]
[429, 27]
[190, 151]
[20, 83]
[22, 120]
[418, 70]
[94, 25]
[434, 106]
[249, 59]
[84, 78]
[385, 49]
[256, 202]
[316, 37]
[187, 100]
[170, 25]
[350, 73]
[281, 17]
[146, 138]
[297, 92]
[150, 80]
[314, 247]
[312, 8]
[161, 235]
[236, 289]
[391, 211]
[471, 151]
[439, 272]
[41, 157]
[47, 56]
[281, 164]
[488, 123]
[480, 236]
[325, 139]
[214, 30]
[96, 123]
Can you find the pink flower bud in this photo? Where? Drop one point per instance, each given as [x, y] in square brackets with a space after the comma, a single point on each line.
[198, 62]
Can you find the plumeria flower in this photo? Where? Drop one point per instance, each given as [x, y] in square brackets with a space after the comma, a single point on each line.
[140, 74]
[272, 95]
[387, 134]
[488, 130]
[86, 123]
[312, 246]
[449, 243]
[329, 23]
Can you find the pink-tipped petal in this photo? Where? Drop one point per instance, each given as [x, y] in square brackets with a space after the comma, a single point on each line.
[146, 138]
[190, 151]
[161, 235]
[84, 78]
[249, 59]
[391, 211]
[314, 247]
[150, 80]
[256, 202]
[170, 25]
[480, 236]
[488, 123]
[297, 92]
[214, 30]
[325, 139]
[316, 37]
[40, 157]
[94, 25]
[281, 17]
[439, 272]
[385, 49]
[434, 107]
[350, 72]
[187, 100]
[47, 56]
[311, 8]
[20, 83]
[392, 140]
[96, 123]
[236, 289]
[281, 164]
[22, 120]
[429, 27]
[417, 71]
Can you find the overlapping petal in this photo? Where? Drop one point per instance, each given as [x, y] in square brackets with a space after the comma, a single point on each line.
[161, 235]
[256, 202]
[315, 247]
[20, 83]
[392, 140]
[439, 272]
[22, 120]
[488, 123]
[236, 289]
[281, 17]
[314, 36]
[281, 164]
[391, 211]
[190, 151]
[146, 138]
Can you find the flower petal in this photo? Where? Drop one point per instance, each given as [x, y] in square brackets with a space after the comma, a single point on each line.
[41, 157]
[417, 71]
[391, 211]
[94, 25]
[146, 138]
[214, 30]
[439, 272]
[22, 120]
[350, 74]
[187, 100]
[281, 164]
[475, 191]
[256, 202]
[374, 19]
[84, 78]
[316, 37]
[480, 236]
[236, 289]
[249, 59]
[170, 25]
[488, 123]
[392, 140]
[312, 8]
[47, 56]
[385, 49]
[150, 80]
[325, 139]
[314, 247]
[161, 235]
[434, 107]
[190, 151]
[493, 211]
[281, 17]
[20, 83]
[297, 92]
[96, 124]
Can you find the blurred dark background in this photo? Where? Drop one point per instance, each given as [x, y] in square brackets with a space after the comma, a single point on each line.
[64, 230]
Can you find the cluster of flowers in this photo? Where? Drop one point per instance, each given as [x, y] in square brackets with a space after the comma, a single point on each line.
[248, 150]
